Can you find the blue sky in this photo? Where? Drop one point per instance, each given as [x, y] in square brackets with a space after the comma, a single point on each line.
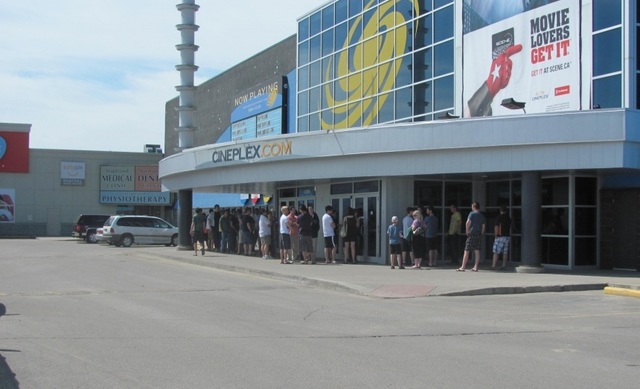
[96, 74]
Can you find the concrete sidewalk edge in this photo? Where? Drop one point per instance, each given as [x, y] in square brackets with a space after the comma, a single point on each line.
[362, 291]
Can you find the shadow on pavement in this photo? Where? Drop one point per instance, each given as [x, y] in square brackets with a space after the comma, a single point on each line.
[7, 377]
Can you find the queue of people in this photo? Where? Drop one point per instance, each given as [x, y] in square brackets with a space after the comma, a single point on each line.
[417, 238]
[292, 236]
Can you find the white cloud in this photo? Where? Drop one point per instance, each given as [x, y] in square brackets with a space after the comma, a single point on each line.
[95, 75]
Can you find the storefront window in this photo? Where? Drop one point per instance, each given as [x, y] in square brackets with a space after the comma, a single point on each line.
[555, 191]
[365, 187]
[342, 188]
[555, 251]
[586, 190]
[498, 193]
[428, 193]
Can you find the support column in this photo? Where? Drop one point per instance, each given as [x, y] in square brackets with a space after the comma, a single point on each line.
[185, 203]
[531, 223]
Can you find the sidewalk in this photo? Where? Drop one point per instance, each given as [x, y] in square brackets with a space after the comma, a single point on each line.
[382, 282]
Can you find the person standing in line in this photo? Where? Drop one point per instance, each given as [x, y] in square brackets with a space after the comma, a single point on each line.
[285, 237]
[225, 232]
[475, 228]
[264, 231]
[305, 222]
[217, 234]
[294, 232]
[502, 229]
[418, 240]
[453, 235]
[328, 231]
[235, 228]
[407, 254]
[352, 234]
[210, 229]
[394, 231]
[247, 226]
[198, 227]
[431, 222]
[315, 228]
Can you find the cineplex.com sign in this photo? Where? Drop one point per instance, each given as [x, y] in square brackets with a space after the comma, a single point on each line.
[252, 152]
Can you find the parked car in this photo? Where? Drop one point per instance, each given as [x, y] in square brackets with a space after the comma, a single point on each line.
[125, 230]
[86, 225]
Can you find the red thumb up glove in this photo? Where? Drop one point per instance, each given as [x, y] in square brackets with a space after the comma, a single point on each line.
[501, 70]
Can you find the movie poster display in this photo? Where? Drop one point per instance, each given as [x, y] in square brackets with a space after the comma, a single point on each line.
[525, 51]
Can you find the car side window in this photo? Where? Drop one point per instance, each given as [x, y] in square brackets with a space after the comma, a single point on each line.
[146, 222]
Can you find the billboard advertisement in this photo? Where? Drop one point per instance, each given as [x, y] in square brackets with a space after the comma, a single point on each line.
[7, 205]
[523, 52]
[14, 152]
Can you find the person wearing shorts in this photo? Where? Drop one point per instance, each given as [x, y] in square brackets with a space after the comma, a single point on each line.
[502, 230]
[475, 231]
[285, 238]
[394, 232]
[328, 230]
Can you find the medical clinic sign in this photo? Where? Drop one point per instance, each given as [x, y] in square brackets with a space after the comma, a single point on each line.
[131, 185]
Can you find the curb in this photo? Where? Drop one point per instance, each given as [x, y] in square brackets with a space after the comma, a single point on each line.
[619, 290]
[366, 292]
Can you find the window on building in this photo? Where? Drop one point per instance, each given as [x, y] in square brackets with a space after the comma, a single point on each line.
[606, 14]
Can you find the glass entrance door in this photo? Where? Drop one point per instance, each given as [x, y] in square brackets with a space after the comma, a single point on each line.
[367, 210]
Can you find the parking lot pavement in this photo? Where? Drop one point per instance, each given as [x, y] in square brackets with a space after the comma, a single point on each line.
[382, 282]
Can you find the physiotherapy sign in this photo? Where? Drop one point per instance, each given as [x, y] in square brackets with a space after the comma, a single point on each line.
[131, 185]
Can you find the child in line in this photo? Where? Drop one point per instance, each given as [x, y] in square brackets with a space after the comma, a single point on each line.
[395, 248]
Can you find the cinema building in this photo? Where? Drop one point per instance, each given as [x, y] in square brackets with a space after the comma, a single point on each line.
[378, 105]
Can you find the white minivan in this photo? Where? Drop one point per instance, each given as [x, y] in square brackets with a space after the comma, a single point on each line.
[125, 230]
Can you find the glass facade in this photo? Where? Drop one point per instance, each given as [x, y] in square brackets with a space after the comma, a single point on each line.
[607, 88]
[365, 62]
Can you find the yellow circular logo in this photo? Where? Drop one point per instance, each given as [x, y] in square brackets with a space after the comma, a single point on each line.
[365, 67]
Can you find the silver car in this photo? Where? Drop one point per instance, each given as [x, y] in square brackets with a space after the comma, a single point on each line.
[125, 230]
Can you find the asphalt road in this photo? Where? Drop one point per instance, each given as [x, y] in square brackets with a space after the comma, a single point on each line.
[94, 316]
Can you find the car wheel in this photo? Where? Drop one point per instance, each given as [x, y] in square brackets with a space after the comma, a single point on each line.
[174, 240]
[91, 236]
[126, 240]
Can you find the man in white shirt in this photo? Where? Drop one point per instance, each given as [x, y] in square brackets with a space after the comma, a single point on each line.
[264, 232]
[285, 238]
[328, 230]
